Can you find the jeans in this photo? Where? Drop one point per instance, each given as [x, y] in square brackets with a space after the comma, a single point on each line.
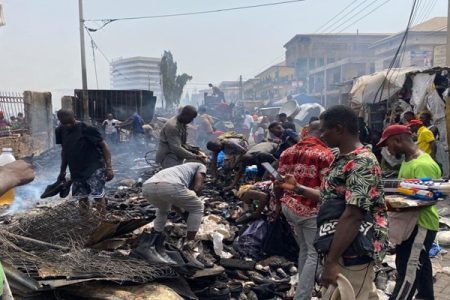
[414, 266]
[305, 229]
[163, 195]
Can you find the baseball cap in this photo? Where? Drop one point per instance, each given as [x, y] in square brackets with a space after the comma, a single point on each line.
[415, 122]
[391, 131]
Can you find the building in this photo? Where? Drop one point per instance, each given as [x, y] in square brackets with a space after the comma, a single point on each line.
[328, 63]
[275, 82]
[424, 46]
[137, 73]
[231, 90]
[322, 62]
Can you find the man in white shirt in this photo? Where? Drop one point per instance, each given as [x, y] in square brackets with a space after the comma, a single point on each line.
[109, 125]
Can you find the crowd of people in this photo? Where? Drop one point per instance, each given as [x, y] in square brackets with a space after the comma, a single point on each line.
[331, 194]
[330, 190]
[14, 124]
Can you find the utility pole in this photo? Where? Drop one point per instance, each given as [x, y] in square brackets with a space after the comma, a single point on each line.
[447, 53]
[447, 63]
[83, 65]
[240, 87]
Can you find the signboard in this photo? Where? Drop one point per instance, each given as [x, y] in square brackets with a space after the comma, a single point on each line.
[421, 57]
[439, 56]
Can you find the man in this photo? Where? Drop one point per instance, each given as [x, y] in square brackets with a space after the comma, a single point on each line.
[308, 161]
[179, 186]
[247, 124]
[305, 129]
[354, 182]
[88, 158]
[285, 138]
[4, 125]
[412, 260]
[217, 92]
[233, 145]
[173, 146]
[137, 123]
[408, 116]
[283, 119]
[427, 119]
[205, 127]
[110, 128]
[258, 154]
[11, 175]
[425, 138]
[364, 132]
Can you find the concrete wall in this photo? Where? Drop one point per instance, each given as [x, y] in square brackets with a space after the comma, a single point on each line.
[39, 112]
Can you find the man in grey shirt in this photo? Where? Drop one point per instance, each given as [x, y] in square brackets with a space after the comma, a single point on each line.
[173, 147]
[178, 186]
[258, 154]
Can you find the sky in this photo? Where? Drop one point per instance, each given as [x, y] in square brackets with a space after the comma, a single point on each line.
[40, 46]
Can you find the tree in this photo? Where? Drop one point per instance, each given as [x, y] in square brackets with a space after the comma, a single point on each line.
[172, 83]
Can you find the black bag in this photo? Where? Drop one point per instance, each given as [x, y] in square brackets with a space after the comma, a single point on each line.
[327, 219]
[280, 240]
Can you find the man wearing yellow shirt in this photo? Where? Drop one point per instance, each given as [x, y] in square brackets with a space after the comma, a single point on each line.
[425, 138]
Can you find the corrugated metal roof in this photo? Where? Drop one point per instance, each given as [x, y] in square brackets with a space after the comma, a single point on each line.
[434, 24]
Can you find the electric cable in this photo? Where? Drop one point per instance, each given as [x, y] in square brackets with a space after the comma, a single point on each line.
[330, 27]
[366, 15]
[335, 16]
[110, 20]
[106, 57]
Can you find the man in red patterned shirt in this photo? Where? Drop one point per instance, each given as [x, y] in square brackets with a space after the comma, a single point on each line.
[308, 161]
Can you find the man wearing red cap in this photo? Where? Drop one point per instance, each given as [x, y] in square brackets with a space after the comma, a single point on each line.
[425, 137]
[412, 260]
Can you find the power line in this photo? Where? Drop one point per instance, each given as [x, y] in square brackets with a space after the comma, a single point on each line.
[337, 15]
[359, 12]
[366, 15]
[110, 20]
[329, 27]
[105, 56]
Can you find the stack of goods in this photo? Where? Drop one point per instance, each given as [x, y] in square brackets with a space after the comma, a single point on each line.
[411, 193]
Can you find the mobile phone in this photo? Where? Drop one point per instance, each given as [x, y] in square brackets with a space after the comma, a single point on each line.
[272, 171]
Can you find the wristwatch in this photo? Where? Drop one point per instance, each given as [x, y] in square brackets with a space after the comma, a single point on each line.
[299, 189]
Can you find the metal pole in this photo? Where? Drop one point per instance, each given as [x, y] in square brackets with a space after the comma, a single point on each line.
[447, 63]
[83, 65]
[240, 87]
[447, 54]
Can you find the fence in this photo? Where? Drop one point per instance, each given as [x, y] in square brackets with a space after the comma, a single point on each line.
[13, 108]
[14, 119]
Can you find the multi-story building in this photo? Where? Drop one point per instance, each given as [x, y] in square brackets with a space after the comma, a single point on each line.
[231, 90]
[137, 73]
[327, 63]
[423, 46]
[306, 52]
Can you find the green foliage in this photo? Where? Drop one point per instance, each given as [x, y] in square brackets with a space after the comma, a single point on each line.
[173, 84]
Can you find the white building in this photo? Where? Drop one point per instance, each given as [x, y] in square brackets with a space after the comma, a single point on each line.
[137, 73]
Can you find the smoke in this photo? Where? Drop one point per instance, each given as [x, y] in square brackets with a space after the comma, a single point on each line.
[28, 196]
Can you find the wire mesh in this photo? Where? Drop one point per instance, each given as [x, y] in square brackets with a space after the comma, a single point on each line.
[64, 226]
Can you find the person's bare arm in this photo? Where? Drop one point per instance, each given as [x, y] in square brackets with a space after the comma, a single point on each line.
[291, 184]
[15, 174]
[346, 231]
[63, 168]
[236, 179]
[198, 183]
[107, 157]
[213, 168]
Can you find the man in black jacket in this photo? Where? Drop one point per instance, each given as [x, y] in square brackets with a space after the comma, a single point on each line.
[88, 158]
